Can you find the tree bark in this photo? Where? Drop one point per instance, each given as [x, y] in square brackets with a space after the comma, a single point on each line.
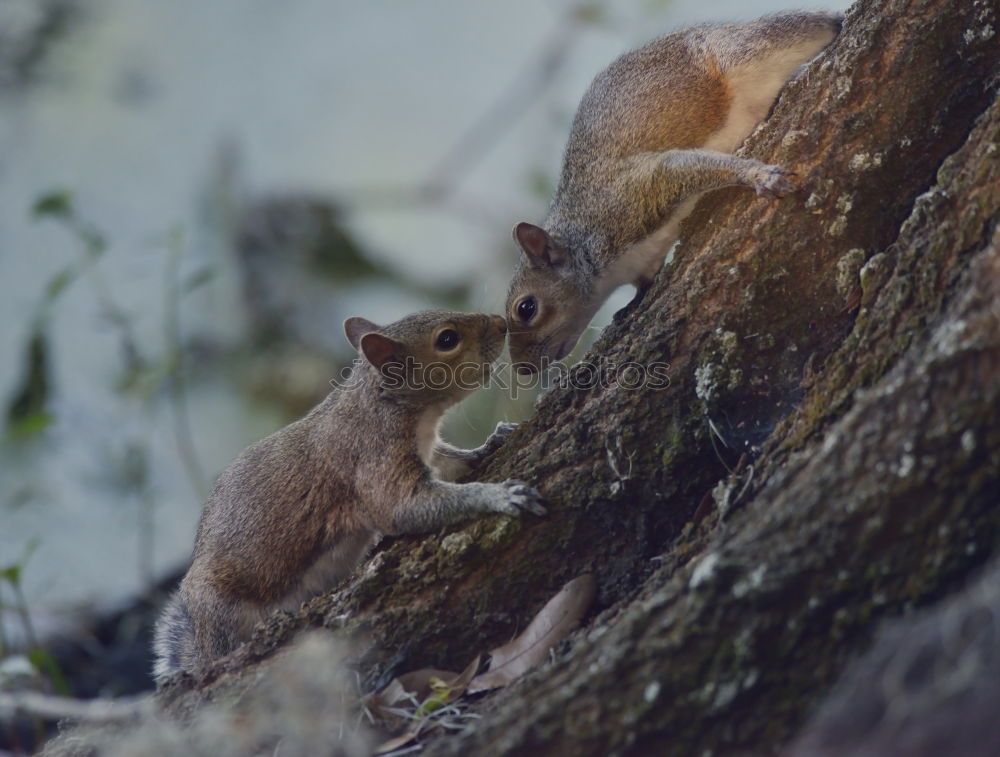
[827, 453]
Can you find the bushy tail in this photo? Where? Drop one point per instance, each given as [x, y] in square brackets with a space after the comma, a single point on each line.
[804, 34]
[174, 635]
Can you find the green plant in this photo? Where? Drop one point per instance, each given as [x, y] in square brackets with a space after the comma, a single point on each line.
[40, 658]
[144, 375]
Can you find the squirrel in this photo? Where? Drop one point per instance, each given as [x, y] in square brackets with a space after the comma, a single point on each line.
[295, 512]
[654, 131]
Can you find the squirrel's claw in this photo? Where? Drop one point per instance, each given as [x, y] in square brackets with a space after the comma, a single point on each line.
[504, 429]
[775, 182]
[524, 497]
[497, 438]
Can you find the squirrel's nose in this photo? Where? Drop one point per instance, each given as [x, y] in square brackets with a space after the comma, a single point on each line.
[500, 322]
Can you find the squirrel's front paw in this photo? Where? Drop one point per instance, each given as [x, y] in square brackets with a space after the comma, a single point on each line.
[499, 435]
[774, 181]
[495, 441]
[522, 497]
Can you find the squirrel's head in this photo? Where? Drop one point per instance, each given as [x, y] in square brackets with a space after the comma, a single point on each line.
[435, 356]
[548, 306]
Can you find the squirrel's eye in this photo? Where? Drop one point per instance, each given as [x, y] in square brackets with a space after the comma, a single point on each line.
[527, 308]
[447, 340]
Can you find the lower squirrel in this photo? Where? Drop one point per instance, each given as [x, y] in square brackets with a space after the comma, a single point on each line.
[652, 134]
[296, 511]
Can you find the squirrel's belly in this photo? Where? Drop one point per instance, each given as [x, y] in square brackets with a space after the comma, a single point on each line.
[332, 567]
[644, 257]
[754, 87]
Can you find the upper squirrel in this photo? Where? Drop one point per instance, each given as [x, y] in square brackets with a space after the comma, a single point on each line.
[295, 512]
[653, 132]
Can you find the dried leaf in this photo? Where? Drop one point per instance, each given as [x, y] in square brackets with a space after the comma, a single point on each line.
[553, 622]
[395, 743]
[432, 688]
[440, 686]
[445, 690]
[416, 684]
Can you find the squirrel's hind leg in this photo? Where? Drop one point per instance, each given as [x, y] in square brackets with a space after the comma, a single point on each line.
[757, 60]
[785, 40]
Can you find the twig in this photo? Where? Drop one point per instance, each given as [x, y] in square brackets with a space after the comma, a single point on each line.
[183, 436]
[438, 188]
[94, 247]
[712, 435]
[48, 707]
[509, 106]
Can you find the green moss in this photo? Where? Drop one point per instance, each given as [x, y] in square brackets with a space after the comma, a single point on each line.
[456, 545]
[728, 342]
[873, 275]
[671, 445]
[848, 270]
[766, 342]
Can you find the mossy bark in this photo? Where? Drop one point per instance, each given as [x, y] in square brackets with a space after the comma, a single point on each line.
[827, 452]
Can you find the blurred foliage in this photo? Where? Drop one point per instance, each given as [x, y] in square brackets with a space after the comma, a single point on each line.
[288, 242]
[591, 13]
[28, 28]
[541, 185]
[46, 664]
[332, 252]
[36, 664]
[27, 412]
[144, 374]
[11, 577]
[57, 204]
[139, 373]
[198, 279]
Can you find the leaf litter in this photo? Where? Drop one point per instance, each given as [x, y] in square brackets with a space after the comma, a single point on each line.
[426, 697]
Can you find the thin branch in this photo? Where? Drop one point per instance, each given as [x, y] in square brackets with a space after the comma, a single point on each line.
[183, 436]
[509, 106]
[94, 247]
[440, 185]
[46, 707]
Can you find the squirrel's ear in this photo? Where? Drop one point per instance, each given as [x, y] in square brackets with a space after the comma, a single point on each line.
[380, 350]
[355, 328]
[541, 249]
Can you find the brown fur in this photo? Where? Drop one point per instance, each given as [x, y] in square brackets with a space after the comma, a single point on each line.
[296, 511]
[631, 107]
[654, 131]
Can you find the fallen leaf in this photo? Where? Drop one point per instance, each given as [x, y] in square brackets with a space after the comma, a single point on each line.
[395, 743]
[552, 623]
[427, 684]
[445, 689]
[430, 687]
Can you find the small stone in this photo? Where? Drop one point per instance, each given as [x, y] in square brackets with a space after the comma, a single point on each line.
[652, 692]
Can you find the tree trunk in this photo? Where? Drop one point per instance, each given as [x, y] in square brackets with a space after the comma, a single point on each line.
[827, 452]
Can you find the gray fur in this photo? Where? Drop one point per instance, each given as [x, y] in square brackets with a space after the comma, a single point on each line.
[654, 131]
[296, 511]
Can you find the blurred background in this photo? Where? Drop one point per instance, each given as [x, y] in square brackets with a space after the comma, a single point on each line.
[193, 196]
